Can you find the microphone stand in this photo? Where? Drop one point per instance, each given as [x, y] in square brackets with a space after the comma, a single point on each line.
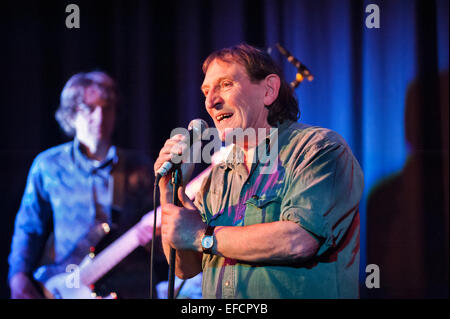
[176, 182]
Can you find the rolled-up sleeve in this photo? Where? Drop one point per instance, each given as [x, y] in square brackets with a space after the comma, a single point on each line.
[323, 193]
[31, 225]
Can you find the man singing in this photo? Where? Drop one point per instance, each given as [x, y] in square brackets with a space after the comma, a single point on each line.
[291, 232]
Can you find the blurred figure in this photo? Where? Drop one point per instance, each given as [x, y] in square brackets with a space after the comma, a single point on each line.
[407, 213]
[75, 186]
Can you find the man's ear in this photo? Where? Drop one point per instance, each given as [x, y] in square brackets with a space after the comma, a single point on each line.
[272, 85]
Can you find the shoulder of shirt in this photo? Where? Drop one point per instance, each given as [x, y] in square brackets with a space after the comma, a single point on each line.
[55, 153]
[306, 134]
[51, 158]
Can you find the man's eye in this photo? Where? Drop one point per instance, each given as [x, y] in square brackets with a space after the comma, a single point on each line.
[85, 108]
[226, 84]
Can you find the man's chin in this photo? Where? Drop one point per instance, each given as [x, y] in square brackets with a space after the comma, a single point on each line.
[99, 137]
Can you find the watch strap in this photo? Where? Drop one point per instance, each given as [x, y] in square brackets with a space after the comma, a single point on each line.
[208, 232]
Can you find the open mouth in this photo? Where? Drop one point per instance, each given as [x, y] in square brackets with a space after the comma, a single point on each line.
[223, 116]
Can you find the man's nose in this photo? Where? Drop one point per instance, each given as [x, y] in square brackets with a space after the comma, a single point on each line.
[213, 99]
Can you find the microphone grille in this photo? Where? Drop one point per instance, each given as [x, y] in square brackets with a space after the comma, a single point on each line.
[198, 125]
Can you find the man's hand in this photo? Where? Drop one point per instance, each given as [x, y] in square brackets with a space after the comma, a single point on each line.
[144, 233]
[175, 150]
[182, 227]
[23, 288]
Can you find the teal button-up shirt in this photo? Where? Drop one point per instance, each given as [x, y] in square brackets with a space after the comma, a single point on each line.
[317, 183]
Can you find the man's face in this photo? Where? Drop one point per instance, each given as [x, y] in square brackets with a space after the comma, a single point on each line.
[94, 120]
[231, 99]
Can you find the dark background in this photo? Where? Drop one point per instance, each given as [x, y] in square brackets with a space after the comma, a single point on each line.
[385, 90]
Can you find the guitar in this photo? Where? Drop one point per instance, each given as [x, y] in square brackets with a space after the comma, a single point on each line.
[74, 278]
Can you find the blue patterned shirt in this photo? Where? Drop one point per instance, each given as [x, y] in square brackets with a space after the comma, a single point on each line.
[66, 193]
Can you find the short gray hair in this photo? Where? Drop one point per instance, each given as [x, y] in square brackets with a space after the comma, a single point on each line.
[73, 92]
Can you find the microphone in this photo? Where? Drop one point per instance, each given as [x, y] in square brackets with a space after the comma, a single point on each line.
[196, 128]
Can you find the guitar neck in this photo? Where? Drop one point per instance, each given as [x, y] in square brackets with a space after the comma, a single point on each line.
[110, 257]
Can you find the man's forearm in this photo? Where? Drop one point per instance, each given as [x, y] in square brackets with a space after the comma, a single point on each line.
[277, 242]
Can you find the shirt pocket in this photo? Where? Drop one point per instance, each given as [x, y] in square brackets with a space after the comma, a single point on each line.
[262, 210]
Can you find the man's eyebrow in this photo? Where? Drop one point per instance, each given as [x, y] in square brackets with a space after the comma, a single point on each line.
[205, 86]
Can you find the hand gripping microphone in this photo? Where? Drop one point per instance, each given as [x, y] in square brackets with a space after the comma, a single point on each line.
[196, 128]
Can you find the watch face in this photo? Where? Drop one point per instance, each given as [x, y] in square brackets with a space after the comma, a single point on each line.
[207, 242]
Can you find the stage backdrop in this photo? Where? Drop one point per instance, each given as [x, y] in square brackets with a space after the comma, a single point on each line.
[385, 90]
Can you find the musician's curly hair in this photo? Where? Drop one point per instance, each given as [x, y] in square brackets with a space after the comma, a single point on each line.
[258, 65]
[73, 93]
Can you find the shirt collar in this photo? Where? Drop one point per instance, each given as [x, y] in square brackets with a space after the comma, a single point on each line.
[91, 166]
[235, 155]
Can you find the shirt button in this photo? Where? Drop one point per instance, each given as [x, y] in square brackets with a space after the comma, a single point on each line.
[227, 283]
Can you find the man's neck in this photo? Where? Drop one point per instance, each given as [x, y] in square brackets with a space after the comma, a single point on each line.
[96, 151]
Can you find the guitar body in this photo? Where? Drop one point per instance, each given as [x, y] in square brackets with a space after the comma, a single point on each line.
[60, 280]
[67, 284]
